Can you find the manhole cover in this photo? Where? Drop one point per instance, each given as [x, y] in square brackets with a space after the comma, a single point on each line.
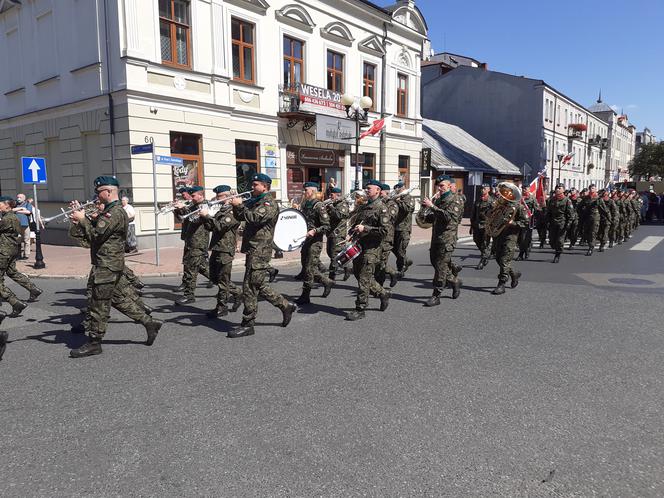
[631, 281]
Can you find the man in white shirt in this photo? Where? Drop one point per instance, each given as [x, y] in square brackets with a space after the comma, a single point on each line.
[132, 243]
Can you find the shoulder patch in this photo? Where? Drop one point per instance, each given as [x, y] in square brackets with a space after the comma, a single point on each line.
[227, 219]
[385, 220]
[101, 223]
[262, 210]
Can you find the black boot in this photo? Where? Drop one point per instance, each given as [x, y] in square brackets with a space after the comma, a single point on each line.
[242, 331]
[526, 255]
[571, 246]
[519, 257]
[304, 297]
[328, 288]
[456, 269]
[393, 279]
[500, 289]
[219, 311]
[456, 287]
[3, 343]
[556, 258]
[385, 300]
[516, 275]
[355, 315]
[17, 309]
[611, 245]
[185, 300]
[180, 288]
[88, 349]
[287, 314]
[272, 272]
[152, 328]
[432, 301]
[332, 275]
[601, 248]
[35, 292]
[347, 273]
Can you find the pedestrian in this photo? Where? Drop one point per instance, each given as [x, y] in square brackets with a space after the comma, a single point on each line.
[331, 184]
[23, 212]
[132, 244]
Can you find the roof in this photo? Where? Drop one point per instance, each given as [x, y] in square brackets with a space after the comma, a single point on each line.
[600, 106]
[373, 5]
[453, 149]
[454, 60]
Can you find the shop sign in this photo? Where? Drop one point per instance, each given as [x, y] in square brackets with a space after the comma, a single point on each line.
[320, 100]
[333, 129]
[307, 156]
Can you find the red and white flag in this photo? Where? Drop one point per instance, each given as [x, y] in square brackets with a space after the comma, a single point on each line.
[374, 129]
[536, 187]
[568, 157]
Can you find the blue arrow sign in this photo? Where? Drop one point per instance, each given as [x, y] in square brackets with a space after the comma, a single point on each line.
[172, 161]
[141, 149]
[34, 170]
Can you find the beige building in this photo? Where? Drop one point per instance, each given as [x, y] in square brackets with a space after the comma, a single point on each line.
[230, 87]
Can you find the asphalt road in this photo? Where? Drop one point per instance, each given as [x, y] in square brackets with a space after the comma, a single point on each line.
[553, 389]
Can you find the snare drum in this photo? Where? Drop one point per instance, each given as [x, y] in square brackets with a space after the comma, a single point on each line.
[348, 254]
[290, 231]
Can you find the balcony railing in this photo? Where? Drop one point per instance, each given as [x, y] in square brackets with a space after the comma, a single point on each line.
[289, 99]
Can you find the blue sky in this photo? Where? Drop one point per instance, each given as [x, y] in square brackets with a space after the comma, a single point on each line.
[615, 45]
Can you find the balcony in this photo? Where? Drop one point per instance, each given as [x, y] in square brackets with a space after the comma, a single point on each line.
[289, 107]
[575, 131]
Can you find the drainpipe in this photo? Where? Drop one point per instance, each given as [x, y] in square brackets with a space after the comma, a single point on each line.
[381, 155]
[111, 114]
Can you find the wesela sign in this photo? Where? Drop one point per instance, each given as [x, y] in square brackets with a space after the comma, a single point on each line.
[320, 100]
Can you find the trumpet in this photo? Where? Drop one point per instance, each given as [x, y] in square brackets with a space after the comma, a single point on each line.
[420, 219]
[347, 197]
[170, 207]
[65, 213]
[210, 204]
[394, 193]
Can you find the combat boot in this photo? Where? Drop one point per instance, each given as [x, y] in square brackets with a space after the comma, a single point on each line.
[526, 255]
[500, 289]
[180, 288]
[456, 287]
[152, 328]
[355, 315]
[408, 263]
[304, 297]
[571, 246]
[394, 278]
[516, 275]
[601, 248]
[347, 273]
[219, 311]
[332, 275]
[35, 292]
[480, 265]
[242, 331]
[88, 349]
[328, 288]
[456, 269]
[611, 245]
[272, 274]
[385, 300]
[4, 336]
[17, 309]
[519, 257]
[148, 309]
[432, 301]
[556, 258]
[287, 314]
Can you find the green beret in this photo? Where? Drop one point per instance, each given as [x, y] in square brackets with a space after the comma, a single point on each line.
[399, 185]
[442, 178]
[311, 185]
[262, 177]
[221, 188]
[102, 181]
[335, 190]
[385, 187]
[182, 190]
[374, 182]
[195, 188]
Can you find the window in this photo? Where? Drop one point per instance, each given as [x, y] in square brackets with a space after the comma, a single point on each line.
[293, 62]
[368, 168]
[246, 163]
[404, 164]
[243, 50]
[174, 32]
[188, 148]
[335, 72]
[369, 83]
[402, 94]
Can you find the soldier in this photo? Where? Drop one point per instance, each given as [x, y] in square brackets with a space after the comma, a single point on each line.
[444, 213]
[403, 228]
[196, 239]
[583, 220]
[605, 219]
[590, 217]
[559, 216]
[337, 210]
[573, 228]
[369, 224]
[260, 214]
[615, 218]
[506, 241]
[525, 239]
[185, 193]
[636, 203]
[384, 269]
[541, 222]
[482, 206]
[455, 269]
[318, 224]
[107, 236]
[224, 227]
[10, 246]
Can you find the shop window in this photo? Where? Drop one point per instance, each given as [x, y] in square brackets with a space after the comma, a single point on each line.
[335, 71]
[402, 95]
[175, 32]
[188, 148]
[369, 83]
[246, 163]
[293, 62]
[404, 168]
[242, 33]
[368, 168]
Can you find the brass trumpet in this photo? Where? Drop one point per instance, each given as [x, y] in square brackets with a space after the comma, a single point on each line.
[89, 205]
[423, 213]
[212, 204]
[170, 207]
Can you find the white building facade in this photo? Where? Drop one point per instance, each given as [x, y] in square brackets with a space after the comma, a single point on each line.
[230, 87]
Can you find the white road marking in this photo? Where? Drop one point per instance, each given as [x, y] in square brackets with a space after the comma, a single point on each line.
[647, 244]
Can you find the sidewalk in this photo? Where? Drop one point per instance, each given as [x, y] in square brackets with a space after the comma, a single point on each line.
[74, 262]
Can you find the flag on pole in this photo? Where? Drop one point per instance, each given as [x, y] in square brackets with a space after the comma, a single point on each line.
[536, 187]
[568, 157]
[374, 129]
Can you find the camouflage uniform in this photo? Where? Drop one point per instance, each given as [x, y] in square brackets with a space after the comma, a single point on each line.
[506, 242]
[10, 244]
[590, 213]
[224, 227]
[375, 218]
[445, 216]
[195, 258]
[402, 231]
[481, 209]
[336, 237]
[636, 209]
[559, 213]
[605, 221]
[260, 216]
[573, 227]
[525, 239]
[541, 224]
[383, 269]
[318, 220]
[615, 221]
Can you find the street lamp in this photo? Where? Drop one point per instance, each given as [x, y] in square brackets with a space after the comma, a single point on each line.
[357, 110]
[560, 157]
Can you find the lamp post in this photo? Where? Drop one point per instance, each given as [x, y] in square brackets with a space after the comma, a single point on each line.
[560, 157]
[358, 111]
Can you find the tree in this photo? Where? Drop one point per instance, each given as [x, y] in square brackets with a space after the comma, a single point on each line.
[649, 162]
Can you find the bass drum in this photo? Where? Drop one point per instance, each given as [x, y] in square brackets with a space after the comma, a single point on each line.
[290, 230]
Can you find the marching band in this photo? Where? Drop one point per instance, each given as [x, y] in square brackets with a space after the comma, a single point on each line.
[362, 229]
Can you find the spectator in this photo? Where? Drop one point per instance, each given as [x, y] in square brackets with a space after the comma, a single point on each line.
[23, 212]
[132, 244]
[331, 183]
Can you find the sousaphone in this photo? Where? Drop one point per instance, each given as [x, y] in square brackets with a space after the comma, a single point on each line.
[504, 210]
